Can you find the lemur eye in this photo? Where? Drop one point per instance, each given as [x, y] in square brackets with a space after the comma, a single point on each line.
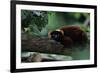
[55, 36]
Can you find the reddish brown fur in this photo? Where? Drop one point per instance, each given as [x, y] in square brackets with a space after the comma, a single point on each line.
[73, 35]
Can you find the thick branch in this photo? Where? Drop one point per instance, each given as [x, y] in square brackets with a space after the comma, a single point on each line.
[43, 45]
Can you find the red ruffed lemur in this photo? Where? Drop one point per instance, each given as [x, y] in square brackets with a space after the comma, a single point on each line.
[69, 36]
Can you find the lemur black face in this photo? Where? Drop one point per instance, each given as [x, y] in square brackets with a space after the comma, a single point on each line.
[56, 35]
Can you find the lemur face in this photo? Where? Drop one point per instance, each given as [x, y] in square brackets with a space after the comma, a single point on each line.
[56, 35]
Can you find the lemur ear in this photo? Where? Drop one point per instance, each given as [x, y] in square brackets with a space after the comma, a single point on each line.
[49, 34]
[60, 31]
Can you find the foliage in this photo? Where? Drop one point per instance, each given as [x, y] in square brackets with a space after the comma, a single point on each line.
[34, 18]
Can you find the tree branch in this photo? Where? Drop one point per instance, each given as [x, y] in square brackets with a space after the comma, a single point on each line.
[43, 45]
